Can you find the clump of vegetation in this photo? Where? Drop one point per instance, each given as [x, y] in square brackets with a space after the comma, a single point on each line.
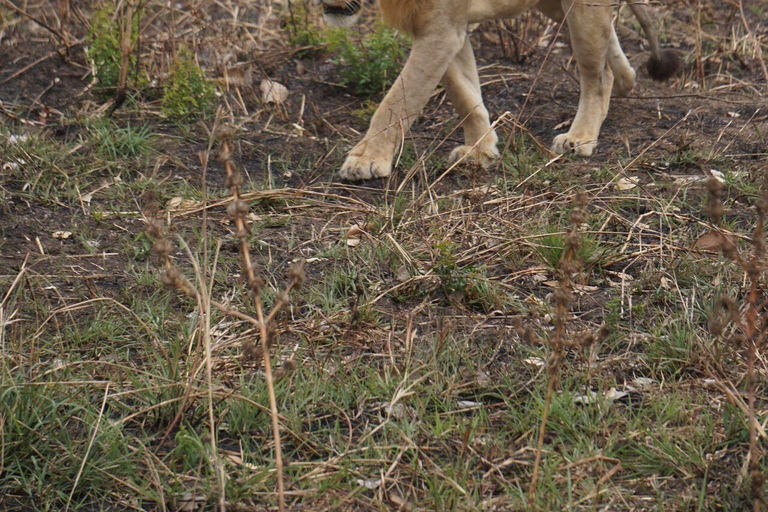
[302, 30]
[468, 284]
[104, 51]
[369, 66]
[553, 247]
[113, 142]
[187, 92]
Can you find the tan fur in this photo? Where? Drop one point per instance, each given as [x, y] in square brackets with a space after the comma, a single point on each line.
[406, 15]
[442, 52]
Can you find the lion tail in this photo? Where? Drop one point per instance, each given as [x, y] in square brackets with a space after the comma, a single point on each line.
[663, 64]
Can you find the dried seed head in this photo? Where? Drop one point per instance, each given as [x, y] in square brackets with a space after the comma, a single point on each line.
[580, 200]
[225, 154]
[729, 307]
[283, 299]
[717, 324]
[256, 283]
[714, 187]
[563, 297]
[296, 274]
[756, 488]
[288, 367]
[569, 266]
[738, 340]
[273, 336]
[236, 208]
[585, 339]
[758, 240]
[233, 180]
[715, 202]
[728, 247]
[151, 204]
[172, 277]
[553, 363]
[526, 333]
[225, 133]
[251, 351]
[578, 217]
[155, 227]
[162, 247]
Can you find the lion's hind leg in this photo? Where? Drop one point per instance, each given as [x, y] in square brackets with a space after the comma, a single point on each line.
[590, 27]
[462, 84]
[624, 74]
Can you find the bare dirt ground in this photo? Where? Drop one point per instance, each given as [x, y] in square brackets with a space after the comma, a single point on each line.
[414, 357]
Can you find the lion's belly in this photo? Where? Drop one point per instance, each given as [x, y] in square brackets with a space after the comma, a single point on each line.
[484, 10]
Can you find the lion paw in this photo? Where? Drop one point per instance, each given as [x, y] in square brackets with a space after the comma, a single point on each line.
[624, 83]
[566, 143]
[483, 155]
[357, 168]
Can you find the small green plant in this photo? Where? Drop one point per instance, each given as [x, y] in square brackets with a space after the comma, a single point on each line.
[552, 248]
[369, 66]
[104, 50]
[468, 284]
[187, 92]
[115, 143]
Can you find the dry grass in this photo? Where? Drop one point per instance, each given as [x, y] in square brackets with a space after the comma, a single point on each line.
[549, 334]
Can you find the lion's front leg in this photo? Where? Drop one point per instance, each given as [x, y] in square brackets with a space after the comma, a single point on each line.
[430, 57]
[590, 28]
[463, 87]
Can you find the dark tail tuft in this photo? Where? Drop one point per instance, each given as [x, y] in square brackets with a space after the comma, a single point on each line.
[666, 67]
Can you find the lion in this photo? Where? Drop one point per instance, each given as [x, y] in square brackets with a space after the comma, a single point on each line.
[442, 52]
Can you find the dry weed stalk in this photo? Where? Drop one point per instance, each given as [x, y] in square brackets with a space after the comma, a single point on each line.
[126, 49]
[749, 323]
[558, 341]
[238, 212]
[264, 321]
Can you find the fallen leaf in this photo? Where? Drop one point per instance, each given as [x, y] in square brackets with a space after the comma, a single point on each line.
[719, 176]
[615, 395]
[715, 241]
[642, 382]
[354, 231]
[189, 502]
[239, 76]
[584, 289]
[18, 139]
[589, 398]
[687, 180]
[273, 92]
[468, 404]
[369, 484]
[627, 183]
[397, 411]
